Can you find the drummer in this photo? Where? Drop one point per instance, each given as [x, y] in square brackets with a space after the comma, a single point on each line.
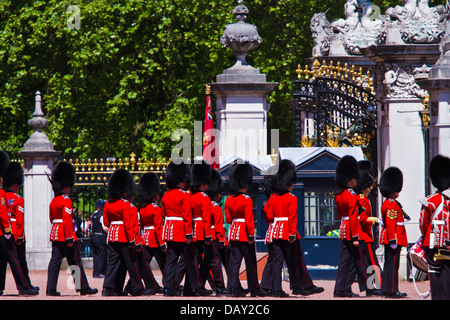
[434, 225]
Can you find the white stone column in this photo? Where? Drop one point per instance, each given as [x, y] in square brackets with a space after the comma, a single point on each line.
[38, 156]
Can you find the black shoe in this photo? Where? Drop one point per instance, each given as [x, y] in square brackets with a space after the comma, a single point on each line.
[109, 293]
[341, 294]
[300, 292]
[159, 290]
[149, 292]
[202, 292]
[53, 293]
[170, 293]
[236, 292]
[28, 292]
[221, 292]
[257, 293]
[98, 276]
[315, 289]
[279, 294]
[373, 292]
[266, 292]
[87, 291]
[397, 295]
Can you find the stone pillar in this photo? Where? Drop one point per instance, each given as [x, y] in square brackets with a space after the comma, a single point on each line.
[241, 92]
[38, 158]
[438, 86]
[401, 141]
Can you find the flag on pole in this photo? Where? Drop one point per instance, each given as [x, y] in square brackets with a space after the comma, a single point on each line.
[210, 149]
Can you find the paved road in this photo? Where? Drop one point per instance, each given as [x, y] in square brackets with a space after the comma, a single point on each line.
[65, 286]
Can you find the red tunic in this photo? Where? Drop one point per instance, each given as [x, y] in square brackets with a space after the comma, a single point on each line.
[285, 216]
[269, 216]
[201, 216]
[16, 207]
[436, 205]
[239, 213]
[217, 229]
[135, 222]
[152, 223]
[365, 230]
[347, 210]
[176, 208]
[5, 223]
[117, 216]
[394, 224]
[61, 217]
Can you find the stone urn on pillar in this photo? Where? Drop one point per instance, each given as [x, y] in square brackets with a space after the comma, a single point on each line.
[241, 94]
[38, 158]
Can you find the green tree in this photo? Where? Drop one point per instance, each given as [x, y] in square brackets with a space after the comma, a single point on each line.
[135, 70]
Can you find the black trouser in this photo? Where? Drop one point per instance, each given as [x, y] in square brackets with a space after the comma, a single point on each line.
[99, 250]
[298, 273]
[267, 279]
[216, 266]
[350, 255]
[186, 251]
[203, 255]
[439, 273]
[121, 259]
[160, 258]
[390, 269]
[61, 250]
[21, 256]
[282, 251]
[8, 254]
[239, 250]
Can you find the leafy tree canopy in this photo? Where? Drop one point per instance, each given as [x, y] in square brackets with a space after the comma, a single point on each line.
[134, 71]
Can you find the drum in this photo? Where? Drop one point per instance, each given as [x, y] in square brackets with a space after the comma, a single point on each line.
[416, 254]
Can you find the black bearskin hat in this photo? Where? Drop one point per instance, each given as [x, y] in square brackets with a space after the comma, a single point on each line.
[200, 173]
[240, 177]
[13, 175]
[285, 176]
[346, 170]
[149, 187]
[120, 183]
[133, 188]
[391, 181]
[365, 176]
[216, 185]
[269, 185]
[440, 172]
[63, 175]
[177, 173]
[4, 160]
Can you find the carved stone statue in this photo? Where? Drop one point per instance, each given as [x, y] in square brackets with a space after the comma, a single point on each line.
[358, 30]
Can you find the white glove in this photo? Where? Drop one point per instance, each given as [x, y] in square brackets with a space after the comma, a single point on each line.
[8, 236]
[394, 246]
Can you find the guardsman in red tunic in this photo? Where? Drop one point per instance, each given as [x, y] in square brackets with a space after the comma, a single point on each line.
[118, 217]
[215, 189]
[435, 227]
[8, 252]
[284, 230]
[267, 275]
[152, 221]
[12, 180]
[201, 218]
[239, 214]
[62, 235]
[393, 234]
[366, 222]
[144, 271]
[178, 232]
[347, 174]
